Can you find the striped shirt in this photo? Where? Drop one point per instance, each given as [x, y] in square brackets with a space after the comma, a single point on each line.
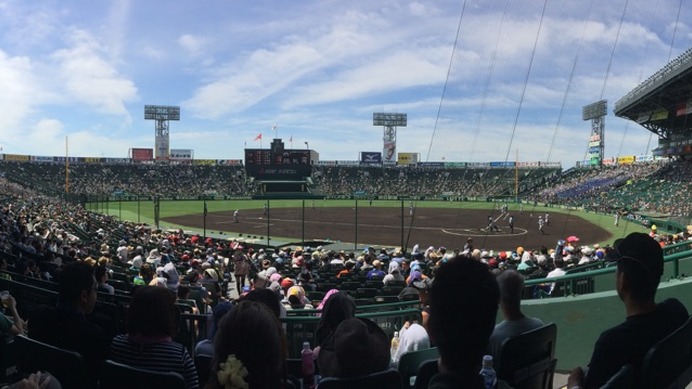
[158, 356]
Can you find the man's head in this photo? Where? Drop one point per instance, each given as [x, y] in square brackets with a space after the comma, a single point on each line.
[77, 286]
[639, 266]
[511, 284]
[463, 305]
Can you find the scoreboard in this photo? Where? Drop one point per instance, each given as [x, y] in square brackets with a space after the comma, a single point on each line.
[277, 165]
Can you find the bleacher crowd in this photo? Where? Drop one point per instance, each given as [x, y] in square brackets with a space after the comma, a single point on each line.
[53, 243]
[218, 313]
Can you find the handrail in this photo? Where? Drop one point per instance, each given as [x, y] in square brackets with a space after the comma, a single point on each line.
[674, 258]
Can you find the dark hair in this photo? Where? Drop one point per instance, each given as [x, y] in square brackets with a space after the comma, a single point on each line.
[152, 311]
[254, 335]
[146, 272]
[463, 305]
[75, 277]
[99, 271]
[338, 307]
[266, 297]
[183, 291]
[511, 285]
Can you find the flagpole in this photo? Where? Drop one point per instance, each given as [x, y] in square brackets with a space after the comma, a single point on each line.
[205, 220]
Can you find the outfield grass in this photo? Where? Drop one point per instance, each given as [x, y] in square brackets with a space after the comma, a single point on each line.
[129, 210]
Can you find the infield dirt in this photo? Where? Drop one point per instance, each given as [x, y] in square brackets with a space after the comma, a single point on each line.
[383, 227]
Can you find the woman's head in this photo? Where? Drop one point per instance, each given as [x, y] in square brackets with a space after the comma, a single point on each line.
[339, 307]
[261, 347]
[152, 312]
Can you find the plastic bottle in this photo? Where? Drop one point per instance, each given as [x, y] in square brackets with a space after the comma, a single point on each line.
[395, 344]
[307, 357]
[488, 373]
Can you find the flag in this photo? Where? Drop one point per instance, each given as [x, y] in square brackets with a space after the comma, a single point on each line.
[205, 208]
[290, 140]
[259, 136]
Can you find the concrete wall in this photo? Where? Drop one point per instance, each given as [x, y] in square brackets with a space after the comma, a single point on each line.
[581, 319]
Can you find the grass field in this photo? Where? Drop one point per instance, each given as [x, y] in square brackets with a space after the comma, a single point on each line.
[143, 211]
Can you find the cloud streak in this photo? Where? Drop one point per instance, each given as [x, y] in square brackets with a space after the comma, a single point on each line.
[319, 70]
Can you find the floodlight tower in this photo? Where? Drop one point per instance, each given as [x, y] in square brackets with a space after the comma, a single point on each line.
[596, 112]
[162, 114]
[390, 121]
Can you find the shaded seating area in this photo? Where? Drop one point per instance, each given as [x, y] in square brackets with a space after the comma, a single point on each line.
[668, 364]
[67, 366]
[120, 376]
[527, 361]
[624, 378]
[386, 379]
[410, 363]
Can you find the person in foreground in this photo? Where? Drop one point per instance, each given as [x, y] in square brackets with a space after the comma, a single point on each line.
[249, 349]
[151, 326]
[639, 270]
[464, 300]
[67, 325]
[511, 284]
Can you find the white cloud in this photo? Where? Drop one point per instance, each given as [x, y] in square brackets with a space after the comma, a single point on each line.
[192, 44]
[153, 53]
[319, 69]
[91, 79]
[20, 94]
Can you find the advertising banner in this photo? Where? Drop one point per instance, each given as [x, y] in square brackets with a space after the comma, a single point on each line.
[643, 117]
[70, 159]
[502, 164]
[432, 164]
[142, 154]
[626, 160]
[683, 109]
[42, 159]
[367, 157]
[550, 164]
[230, 162]
[325, 163]
[389, 153]
[16, 157]
[348, 163]
[407, 158]
[181, 154]
[659, 114]
[207, 162]
[116, 160]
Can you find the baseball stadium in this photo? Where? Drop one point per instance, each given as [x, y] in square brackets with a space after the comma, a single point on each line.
[324, 224]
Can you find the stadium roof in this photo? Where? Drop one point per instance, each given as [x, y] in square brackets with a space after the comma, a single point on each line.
[663, 103]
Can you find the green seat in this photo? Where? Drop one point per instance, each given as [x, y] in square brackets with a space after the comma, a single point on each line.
[426, 371]
[65, 365]
[669, 362]
[120, 376]
[623, 379]
[410, 362]
[384, 379]
[528, 360]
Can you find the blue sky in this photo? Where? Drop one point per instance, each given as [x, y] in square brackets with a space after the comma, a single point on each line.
[319, 69]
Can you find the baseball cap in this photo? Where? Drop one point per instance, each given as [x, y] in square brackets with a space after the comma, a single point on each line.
[642, 249]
